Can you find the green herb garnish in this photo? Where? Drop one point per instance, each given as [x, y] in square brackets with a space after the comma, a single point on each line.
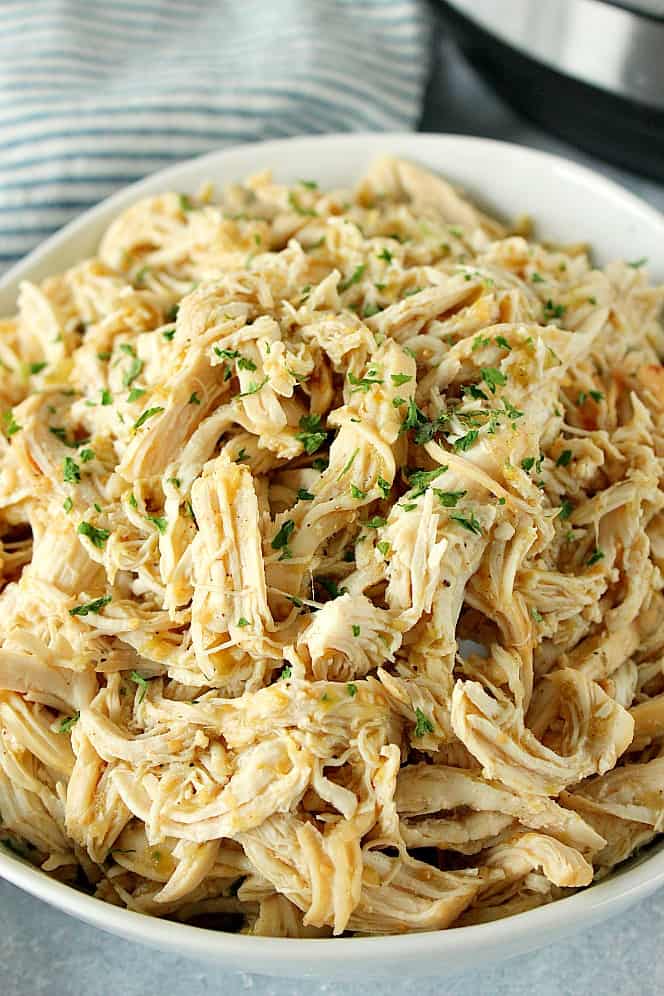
[280, 540]
[95, 606]
[71, 472]
[423, 724]
[471, 524]
[147, 414]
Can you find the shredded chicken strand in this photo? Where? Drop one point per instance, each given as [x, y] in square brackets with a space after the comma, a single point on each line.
[331, 562]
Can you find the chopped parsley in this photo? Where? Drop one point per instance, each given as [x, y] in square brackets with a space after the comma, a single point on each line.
[253, 388]
[132, 373]
[280, 540]
[96, 536]
[493, 378]
[331, 587]
[67, 504]
[194, 399]
[244, 363]
[471, 524]
[512, 413]
[636, 263]
[420, 480]
[169, 334]
[132, 500]
[566, 509]
[384, 486]
[304, 495]
[386, 255]
[135, 394]
[71, 472]
[528, 463]
[87, 455]
[242, 622]
[106, 397]
[355, 278]
[537, 616]
[448, 499]
[286, 673]
[309, 184]
[95, 606]
[351, 688]
[376, 522]
[67, 723]
[502, 341]
[35, 368]
[362, 383]
[384, 547]
[11, 425]
[186, 203]
[595, 556]
[465, 442]
[349, 463]
[552, 310]
[312, 435]
[142, 683]
[159, 522]
[423, 725]
[356, 629]
[399, 379]
[356, 493]
[147, 414]
[479, 341]
[564, 459]
[537, 279]
[596, 396]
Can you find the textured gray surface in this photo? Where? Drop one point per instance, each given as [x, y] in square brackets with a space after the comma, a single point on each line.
[44, 953]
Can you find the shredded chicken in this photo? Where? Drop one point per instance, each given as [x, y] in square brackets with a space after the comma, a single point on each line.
[331, 562]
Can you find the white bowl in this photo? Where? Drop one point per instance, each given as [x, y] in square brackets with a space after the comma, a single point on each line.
[569, 203]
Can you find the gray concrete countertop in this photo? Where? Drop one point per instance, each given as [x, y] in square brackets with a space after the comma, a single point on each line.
[45, 953]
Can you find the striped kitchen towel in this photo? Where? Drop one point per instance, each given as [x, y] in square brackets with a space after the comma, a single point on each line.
[97, 93]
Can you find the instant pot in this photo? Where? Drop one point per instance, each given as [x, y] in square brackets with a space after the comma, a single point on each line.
[590, 70]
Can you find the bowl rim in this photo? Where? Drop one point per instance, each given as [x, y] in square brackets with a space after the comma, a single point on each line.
[289, 955]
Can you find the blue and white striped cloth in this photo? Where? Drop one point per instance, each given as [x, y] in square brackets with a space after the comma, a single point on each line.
[97, 94]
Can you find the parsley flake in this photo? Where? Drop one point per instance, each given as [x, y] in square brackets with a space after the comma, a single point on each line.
[493, 378]
[355, 278]
[448, 499]
[11, 425]
[471, 524]
[147, 414]
[95, 606]
[71, 472]
[281, 538]
[423, 725]
[465, 442]
[67, 723]
[96, 536]
[142, 683]
[312, 435]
